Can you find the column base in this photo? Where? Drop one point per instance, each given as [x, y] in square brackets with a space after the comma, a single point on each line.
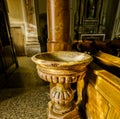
[58, 46]
[73, 114]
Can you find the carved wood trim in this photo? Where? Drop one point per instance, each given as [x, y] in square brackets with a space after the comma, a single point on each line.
[107, 84]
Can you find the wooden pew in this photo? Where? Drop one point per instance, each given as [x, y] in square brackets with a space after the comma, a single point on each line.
[101, 90]
[108, 62]
[108, 46]
[108, 59]
[103, 93]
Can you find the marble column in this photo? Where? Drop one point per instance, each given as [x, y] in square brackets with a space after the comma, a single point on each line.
[32, 45]
[58, 20]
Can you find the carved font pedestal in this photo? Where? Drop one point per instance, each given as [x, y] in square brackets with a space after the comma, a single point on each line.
[62, 68]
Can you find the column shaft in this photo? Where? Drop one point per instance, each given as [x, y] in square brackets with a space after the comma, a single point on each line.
[58, 19]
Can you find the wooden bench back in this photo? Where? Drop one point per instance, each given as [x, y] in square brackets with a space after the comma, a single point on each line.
[109, 62]
[101, 94]
[101, 91]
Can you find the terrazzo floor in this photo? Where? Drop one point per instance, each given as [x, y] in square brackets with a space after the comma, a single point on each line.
[25, 95]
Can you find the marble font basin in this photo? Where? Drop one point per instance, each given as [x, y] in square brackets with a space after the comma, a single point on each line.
[61, 59]
[61, 66]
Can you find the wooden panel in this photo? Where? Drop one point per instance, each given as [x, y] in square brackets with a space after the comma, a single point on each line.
[103, 92]
[107, 84]
[4, 32]
[7, 52]
[8, 57]
[109, 92]
[1, 65]
[113, 113]
[97, 106]
[18, 40]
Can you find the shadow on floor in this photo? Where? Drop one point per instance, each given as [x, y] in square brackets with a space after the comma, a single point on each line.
[25, 76]
[25, 95]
